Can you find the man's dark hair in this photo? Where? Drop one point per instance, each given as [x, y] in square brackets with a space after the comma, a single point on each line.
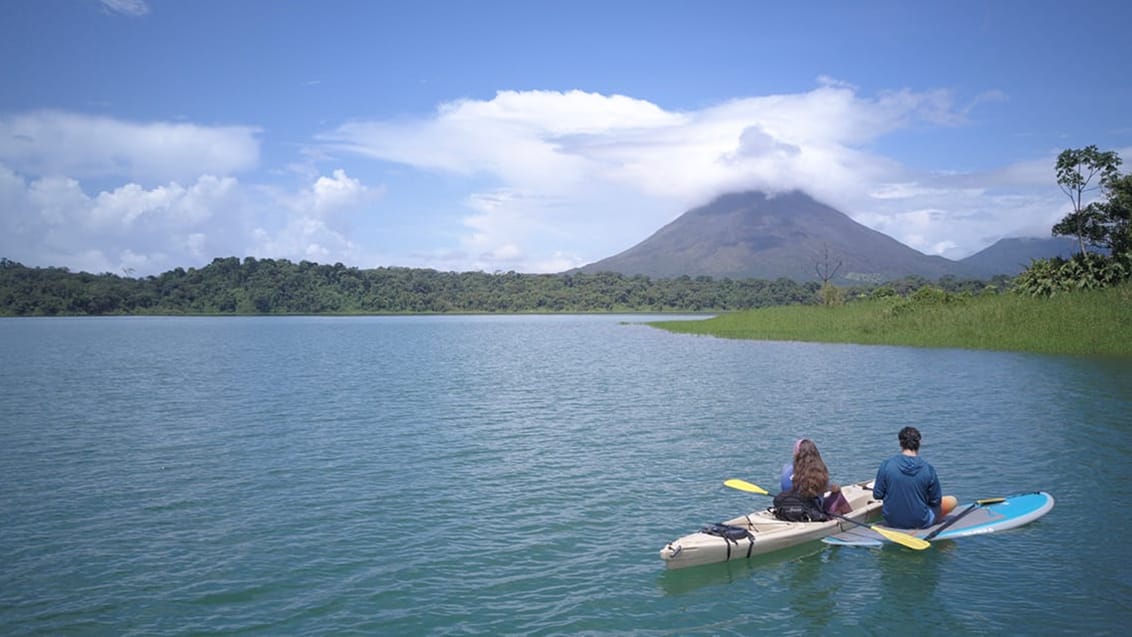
[910, 439]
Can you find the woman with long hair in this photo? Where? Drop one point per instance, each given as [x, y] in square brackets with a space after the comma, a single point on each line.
[809, 478]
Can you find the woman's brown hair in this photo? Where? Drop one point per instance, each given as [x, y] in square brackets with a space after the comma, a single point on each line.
[811, 476]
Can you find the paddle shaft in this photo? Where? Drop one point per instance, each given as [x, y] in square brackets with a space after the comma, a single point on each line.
[894, 536]
[852, 521]
[903, 539]
[974, 505]
[953, 520]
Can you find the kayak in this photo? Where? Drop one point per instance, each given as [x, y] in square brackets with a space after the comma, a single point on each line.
[759, 532]
[975, 518]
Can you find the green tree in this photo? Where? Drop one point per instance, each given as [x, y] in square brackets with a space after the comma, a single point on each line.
[1117, 216]
[1076, 170]
[1104, 223]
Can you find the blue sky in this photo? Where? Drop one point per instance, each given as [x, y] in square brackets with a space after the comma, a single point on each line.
[142, 135]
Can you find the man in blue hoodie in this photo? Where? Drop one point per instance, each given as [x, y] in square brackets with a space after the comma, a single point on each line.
[910, 487]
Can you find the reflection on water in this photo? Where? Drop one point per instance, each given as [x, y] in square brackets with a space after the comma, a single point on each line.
[908, 574]
[813, 595]
[685, 580]
[517, 475]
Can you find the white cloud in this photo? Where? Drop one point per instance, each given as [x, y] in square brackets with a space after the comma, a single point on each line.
[126, 7]
[54, 221]
[904, 191]
[519, 137]
[337, 192]
[955, 215]
[589, 174]
[312, 231]
[547, 181]
[53, 143]
[54, 199]
[179, 206]
[169, 210]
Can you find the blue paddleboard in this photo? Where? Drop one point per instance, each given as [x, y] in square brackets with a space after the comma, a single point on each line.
[969, 519]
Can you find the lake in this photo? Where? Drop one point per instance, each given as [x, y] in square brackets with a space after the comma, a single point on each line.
[517, 475]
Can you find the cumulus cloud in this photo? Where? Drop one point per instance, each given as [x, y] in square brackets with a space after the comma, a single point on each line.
[319, 225]
[173, 205]
[303, 238]
[956, 214]
[534, 181]
[562, 164]
[143, 230]
[54, 143]
[53, 221]
[337, 192]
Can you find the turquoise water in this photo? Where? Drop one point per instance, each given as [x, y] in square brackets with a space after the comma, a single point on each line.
[517, 475]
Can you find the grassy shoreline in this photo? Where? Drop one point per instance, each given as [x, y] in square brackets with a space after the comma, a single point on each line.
[1084, 323]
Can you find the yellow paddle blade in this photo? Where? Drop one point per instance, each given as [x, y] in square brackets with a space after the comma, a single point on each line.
[986, 501]
[903, 539]
[743, 485]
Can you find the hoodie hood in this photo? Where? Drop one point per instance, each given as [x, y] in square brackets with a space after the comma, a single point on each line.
[910, 465]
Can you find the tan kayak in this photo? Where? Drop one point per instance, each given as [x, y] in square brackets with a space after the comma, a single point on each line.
[760, 532]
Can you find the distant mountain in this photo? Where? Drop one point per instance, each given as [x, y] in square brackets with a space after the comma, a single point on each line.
[1012, 256]
[752, 235]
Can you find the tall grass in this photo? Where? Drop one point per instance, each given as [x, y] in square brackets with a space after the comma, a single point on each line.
[1088, 323]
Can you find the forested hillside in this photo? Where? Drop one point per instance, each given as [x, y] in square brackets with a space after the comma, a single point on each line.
[277, 286]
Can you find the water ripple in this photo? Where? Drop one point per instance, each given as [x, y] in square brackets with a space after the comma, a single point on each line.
[517, 475]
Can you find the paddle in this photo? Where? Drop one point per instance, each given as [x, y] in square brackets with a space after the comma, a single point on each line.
[743, 485]
[895, 536]
[977, 504]
[903, 539]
